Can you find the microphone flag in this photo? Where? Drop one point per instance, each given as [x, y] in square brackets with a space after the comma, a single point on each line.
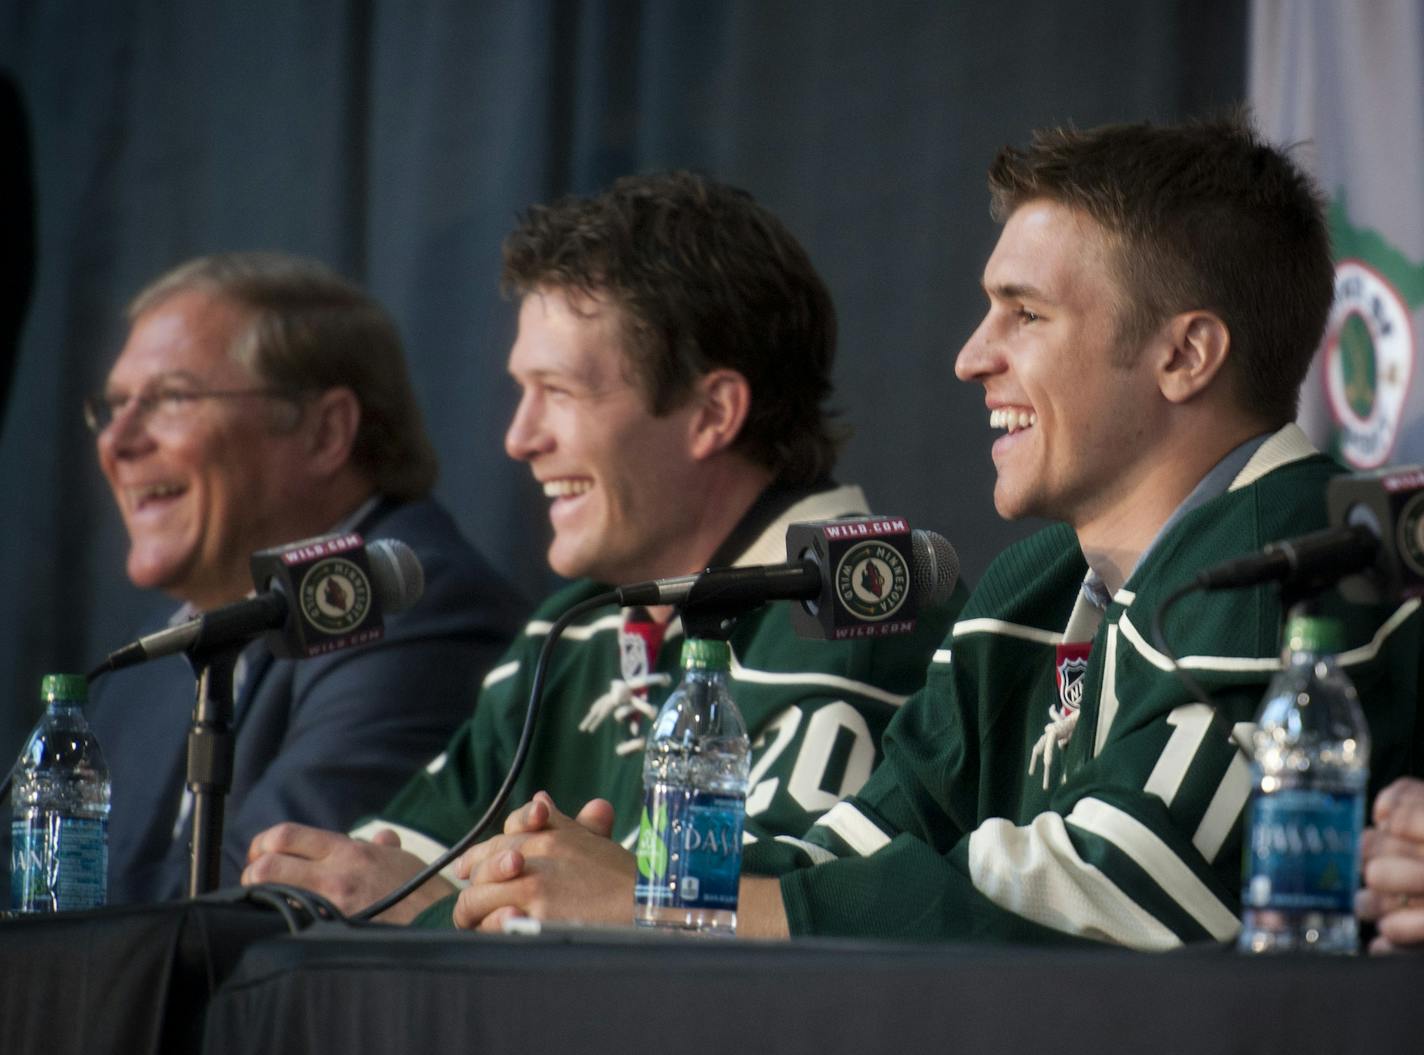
[867, 586]
[332, 602]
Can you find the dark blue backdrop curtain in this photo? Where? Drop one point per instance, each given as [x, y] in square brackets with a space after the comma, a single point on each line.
[397, 141]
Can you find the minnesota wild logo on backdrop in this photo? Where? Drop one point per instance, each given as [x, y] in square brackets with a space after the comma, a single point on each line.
[1370, 342]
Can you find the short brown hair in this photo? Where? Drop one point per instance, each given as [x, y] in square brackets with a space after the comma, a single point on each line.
[311, 329]
[706, 278]
[1200, 215]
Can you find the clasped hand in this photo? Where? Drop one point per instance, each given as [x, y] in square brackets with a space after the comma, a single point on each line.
[1393, 867]
[547, 866]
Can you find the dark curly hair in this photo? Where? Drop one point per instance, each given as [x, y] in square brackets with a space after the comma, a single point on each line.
[705, 278]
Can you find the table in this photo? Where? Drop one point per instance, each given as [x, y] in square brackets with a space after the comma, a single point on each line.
[346, 992]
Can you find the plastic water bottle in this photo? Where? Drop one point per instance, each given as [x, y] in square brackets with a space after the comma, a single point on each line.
[695, 770]
[59, 842]
[1311, 753]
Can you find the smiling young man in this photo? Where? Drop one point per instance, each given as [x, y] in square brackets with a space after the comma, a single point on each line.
[1155, 298]
[261, 399]
[673, 355]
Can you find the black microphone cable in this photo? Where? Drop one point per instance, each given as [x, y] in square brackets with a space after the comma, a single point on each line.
[516, 765]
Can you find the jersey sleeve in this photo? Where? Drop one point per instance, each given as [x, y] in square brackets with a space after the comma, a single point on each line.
[442, 800]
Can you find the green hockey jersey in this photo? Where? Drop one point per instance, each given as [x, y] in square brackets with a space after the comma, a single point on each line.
[1054, 780]
[815, 711]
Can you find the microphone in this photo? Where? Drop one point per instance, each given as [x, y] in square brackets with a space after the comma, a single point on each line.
[313, 597]
[856, 577]
[1310, 562]
[1374, 548]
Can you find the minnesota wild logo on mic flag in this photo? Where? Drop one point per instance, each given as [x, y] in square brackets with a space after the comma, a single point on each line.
[1346, 82]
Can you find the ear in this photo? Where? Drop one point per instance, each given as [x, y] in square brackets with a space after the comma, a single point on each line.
[332, 419]
[721, 401]
[1197, 344]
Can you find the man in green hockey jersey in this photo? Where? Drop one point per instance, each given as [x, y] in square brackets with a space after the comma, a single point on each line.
[1155, 298]
[673, 356]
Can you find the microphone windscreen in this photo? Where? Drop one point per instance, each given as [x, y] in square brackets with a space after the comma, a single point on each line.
[935, 567]
[396, 574]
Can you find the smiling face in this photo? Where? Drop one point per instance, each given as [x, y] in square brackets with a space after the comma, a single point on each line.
[202, 486]
[622, 484]
[1080, 412]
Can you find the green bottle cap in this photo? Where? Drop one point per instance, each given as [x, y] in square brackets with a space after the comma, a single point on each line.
[64, 687]
[700, 653]
[1314, 633]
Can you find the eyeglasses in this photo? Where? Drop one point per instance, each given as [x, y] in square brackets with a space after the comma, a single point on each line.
[164, 405]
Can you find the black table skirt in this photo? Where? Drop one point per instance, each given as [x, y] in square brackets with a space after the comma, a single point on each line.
[345, 992]
[131, 981]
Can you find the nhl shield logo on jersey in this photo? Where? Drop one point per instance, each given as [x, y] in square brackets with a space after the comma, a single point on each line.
[1071, 672]
[1368, 363]
[336, 595]
[872, 580]
[633, 655]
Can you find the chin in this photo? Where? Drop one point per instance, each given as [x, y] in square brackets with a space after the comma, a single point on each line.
[149, 574]
[566, 566]
[1006, 507]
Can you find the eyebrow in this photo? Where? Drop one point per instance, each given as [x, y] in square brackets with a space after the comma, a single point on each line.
[163, 378]
[1017, 291]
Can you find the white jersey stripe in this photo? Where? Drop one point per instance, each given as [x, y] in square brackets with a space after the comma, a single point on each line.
[855, 829]
[1034, 871]
[500, 673]
[819, 855]
[830, 681]
[1148, 850]
[1349, 658]
[999, 626]
[942, 655]
[1366, 653]
[1107, 694]
[412, 841]
[541, 627]
[1234, 664]
[739, 672]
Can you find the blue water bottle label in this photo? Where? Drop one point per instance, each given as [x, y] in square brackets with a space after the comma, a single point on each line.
[57, 863]
[1304, 853]
[689, 849]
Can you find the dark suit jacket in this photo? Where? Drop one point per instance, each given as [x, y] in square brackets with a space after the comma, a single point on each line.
[323, 741]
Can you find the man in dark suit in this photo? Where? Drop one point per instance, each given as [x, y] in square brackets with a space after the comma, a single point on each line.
[261, 399]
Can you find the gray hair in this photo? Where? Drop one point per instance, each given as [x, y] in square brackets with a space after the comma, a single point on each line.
[310, 330]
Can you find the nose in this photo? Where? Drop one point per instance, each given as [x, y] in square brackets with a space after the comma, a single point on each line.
[126, 433]
[527, 435]
[980, 355]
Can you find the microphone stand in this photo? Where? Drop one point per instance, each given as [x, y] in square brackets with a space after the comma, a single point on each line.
[210, 758]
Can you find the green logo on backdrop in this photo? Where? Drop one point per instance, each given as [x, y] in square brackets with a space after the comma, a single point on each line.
[1369, 343]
